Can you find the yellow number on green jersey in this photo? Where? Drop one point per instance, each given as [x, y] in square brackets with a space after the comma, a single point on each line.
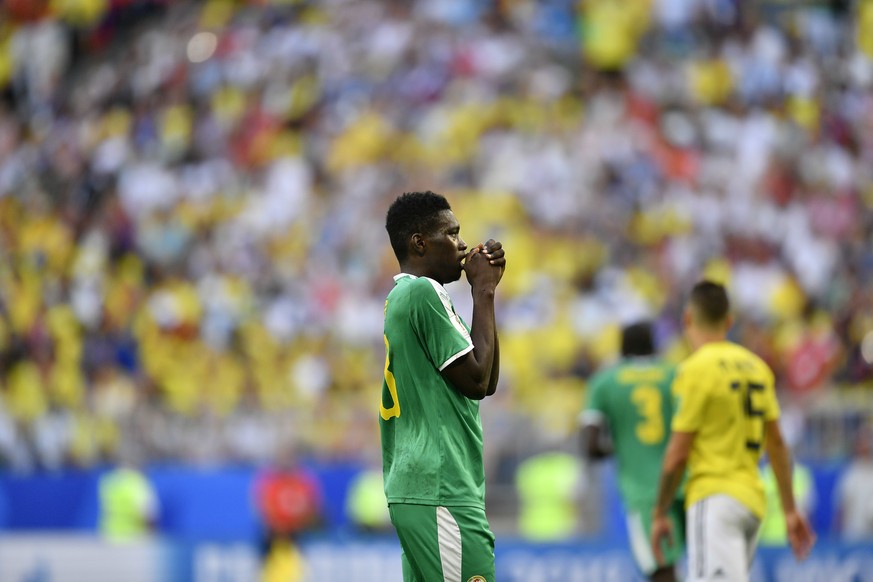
[394, 411]
[647, 399]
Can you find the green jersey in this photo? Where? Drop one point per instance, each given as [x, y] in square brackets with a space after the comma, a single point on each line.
[633, 399]
[431, 433]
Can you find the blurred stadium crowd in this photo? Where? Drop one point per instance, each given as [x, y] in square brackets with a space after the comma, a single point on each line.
[192, 194]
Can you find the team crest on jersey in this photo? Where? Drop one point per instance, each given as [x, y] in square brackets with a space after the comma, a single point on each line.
[476, 579]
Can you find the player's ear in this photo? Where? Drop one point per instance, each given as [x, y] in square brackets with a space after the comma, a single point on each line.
[729, 321]
[687, 317]
[417, 244]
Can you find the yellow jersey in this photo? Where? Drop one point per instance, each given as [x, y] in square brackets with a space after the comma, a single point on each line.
[724, 393]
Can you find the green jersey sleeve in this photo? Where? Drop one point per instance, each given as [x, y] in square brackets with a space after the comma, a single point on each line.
[594, 409]
[595, 397]
[442, 332]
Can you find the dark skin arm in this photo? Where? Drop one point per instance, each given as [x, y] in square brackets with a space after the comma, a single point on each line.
[672, 471]
[800, 534]
[476, 373]
[495, 366]
[592, 443]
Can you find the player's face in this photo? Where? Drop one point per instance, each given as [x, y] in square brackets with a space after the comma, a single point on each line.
[446, 249]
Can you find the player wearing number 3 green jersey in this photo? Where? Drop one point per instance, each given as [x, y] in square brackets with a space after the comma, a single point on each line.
[726, 418]
[631, 402]
[437, 369]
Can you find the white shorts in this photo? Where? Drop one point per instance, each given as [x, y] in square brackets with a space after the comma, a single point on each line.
[721, 535]
[640, 543]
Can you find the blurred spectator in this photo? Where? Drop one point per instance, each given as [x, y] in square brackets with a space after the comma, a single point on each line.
[549, 486]
[813, 354]
[283, 563]
[773, 532]
[366, 505]
[129, 505]
[192, 196]
[289, 502]
[853, 493]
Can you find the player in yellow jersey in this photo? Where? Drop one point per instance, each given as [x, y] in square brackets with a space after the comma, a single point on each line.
[726, 417]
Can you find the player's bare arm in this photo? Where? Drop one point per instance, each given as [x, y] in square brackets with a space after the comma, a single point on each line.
[673, 469]
[495, 366]
[496, 256]
[474, 375]
[800, 534]
[593, 442]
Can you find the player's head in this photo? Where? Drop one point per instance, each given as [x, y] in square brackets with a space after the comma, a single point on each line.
[709, 303]
[637, 340]
[425, 236]
[708, 311]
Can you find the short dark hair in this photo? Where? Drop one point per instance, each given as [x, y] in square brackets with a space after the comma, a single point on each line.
[410, 213]
[710, 302]
[637, 339]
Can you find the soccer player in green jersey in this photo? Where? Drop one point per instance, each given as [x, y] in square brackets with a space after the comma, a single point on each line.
[726, 418]
[630, 402]
[437, 369]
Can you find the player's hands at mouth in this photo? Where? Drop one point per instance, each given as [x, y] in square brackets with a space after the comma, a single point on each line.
[484, 264]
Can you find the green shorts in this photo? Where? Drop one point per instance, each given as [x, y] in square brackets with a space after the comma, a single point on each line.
[451, 544]
[639, 530]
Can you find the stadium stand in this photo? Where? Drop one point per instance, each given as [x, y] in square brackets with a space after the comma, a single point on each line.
[192, 195]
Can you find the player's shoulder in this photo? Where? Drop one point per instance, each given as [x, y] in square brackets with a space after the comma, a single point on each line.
[701, 358]
[760, 366]
[735, 351]
[429, 288]
[606, 374]
[702, 363]
[417, 288]
[664, 365]
[644, 369]
[669, 370]
[713, 356]
[601, 384]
